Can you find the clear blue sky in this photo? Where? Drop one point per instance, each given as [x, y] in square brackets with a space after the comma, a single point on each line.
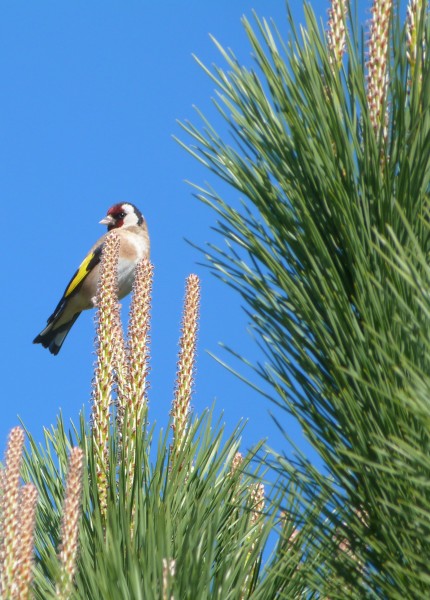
[90, 97]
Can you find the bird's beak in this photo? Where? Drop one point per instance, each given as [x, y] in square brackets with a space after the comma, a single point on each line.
[107, 220]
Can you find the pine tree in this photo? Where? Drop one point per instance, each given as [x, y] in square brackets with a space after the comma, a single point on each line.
[330, 155]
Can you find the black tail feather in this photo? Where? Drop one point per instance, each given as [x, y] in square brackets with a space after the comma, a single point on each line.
[53, 337]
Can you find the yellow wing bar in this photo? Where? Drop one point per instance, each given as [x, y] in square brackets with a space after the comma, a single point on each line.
[84, 268]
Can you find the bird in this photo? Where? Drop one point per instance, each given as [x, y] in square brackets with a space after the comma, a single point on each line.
[81, 292]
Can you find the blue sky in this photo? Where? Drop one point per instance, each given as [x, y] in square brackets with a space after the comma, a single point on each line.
[91, 95]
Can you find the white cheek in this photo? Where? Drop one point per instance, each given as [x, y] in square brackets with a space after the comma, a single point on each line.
[129, 220]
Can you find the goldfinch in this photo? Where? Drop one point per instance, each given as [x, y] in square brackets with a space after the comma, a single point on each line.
[81, 292]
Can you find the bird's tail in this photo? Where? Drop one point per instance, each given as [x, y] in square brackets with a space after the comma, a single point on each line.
[53, 337]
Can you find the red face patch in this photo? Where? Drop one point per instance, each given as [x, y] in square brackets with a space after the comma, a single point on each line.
[118, 214]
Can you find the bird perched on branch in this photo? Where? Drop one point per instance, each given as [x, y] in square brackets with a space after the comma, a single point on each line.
[81, 292]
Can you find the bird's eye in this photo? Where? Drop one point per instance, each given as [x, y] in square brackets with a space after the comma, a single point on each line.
[120, 215]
